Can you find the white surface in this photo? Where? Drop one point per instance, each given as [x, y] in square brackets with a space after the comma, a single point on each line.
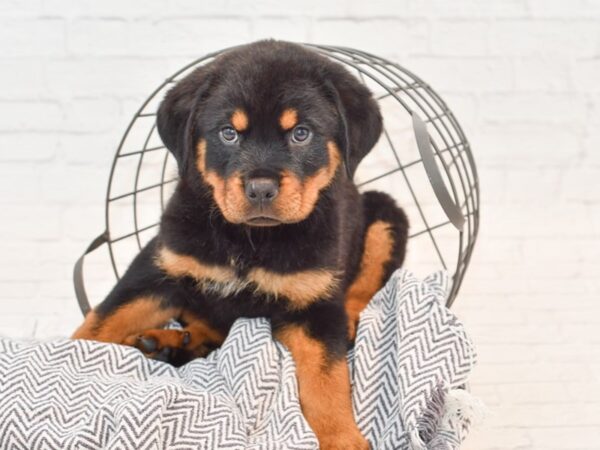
[523, 77]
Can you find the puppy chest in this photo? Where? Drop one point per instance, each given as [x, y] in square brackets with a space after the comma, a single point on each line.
[299, 289]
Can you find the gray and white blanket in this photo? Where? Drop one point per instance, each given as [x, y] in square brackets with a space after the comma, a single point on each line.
[410, 360]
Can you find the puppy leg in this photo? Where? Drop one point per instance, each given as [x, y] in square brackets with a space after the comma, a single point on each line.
[130, 319]
[324, 388]
[197, 339]
[383, 252]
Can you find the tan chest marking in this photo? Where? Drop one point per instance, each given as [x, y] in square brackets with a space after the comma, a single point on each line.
[300, 288]
[212, 278]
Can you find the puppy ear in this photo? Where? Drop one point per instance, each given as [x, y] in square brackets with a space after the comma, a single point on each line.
[175, 116]
[359, 116]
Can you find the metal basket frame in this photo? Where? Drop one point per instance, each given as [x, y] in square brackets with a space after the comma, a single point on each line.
[460, 202]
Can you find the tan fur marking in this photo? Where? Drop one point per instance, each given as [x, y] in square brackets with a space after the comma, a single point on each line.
[379, 245]
[130, 319]
[202, 337]
[201, 331]
[179, 266]
[324, 388]
[239, 120]
[87, 329]
[301, 288]
[228, 193]
[297, 199]
[288, 119]
[201, 156]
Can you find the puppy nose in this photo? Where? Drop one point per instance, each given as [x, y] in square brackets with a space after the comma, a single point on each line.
[261, 190]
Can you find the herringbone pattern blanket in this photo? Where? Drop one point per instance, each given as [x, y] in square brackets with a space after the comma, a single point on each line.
[410, 359]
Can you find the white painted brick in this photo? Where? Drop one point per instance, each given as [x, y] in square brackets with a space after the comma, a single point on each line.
[287, 28]
[27, 37]
[19, 184]
[465, 108]
[90, 148]
[471, 9]
[582, 185]
[30, 116]
[464, 75]
[72, 184]
[27, 147]
[544, 37]
[559, 9]
[58, 325]
[594, 113]
[584, 393]
[561, 437]
[523, 334]
[552, 222]
[526, 145]
[502, 353]
[90, 115]
[563, 109]
[84, 221]
[19, 7]
[15, 292]
[65, 8]
[190, 37]
[549, 416]
[595, 220]
[382, 37]
[133, 77]
[241, 8]
[24, 328]
[31, 224]
[543, 74]
[21, 78]
[506, 438]
[129, 9]
[586, 73]
[533, 184]
[98, 37]
[460, 38]
[379, 8]
[535, 393]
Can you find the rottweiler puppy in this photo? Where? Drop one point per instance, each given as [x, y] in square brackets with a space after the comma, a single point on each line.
[265, 221]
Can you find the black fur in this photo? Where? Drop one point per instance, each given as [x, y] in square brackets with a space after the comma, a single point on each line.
[263, 79]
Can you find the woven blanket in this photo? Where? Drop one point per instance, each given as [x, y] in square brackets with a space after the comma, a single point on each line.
[410, 359]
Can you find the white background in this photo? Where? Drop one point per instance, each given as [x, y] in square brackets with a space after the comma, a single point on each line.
[522, 76]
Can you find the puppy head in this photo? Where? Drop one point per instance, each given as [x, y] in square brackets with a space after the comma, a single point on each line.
[268, 127]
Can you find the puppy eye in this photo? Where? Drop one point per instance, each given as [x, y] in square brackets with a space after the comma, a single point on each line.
[228, 135]
[300, 134]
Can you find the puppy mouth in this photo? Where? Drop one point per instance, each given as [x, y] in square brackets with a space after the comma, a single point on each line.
[262, 221]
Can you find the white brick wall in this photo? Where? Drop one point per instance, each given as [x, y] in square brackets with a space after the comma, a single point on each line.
[523, 77]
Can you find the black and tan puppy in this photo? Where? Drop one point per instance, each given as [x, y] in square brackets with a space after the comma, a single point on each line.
[265, 221]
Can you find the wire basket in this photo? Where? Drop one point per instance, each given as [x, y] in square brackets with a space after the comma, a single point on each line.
[422, 159]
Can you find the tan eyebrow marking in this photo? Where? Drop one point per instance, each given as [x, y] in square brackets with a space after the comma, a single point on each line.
[239, 120]
[288, 119]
